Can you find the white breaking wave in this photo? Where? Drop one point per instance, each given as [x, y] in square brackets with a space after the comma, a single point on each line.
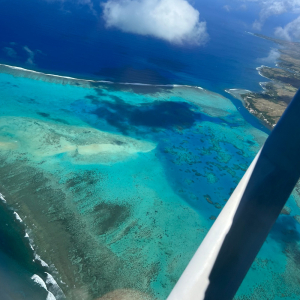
[38, 280]
[18, 217]
[52, 75]
[2, 198]
[50, 279]
[44, 264]
[237, 94]
[97, 81]
[229, 90]
[54, 287]
[50, 296]
[259, 68]
[263, 85]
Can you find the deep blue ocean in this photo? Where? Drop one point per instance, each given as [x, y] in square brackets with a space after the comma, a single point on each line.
[70, 40]
[67, 38]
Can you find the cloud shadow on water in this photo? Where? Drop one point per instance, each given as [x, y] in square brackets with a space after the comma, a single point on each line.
[159, 114]
[136, 118]
[139, 81]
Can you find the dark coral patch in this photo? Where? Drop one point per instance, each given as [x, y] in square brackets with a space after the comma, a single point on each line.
[45, 115]
[94, 99]
[208, 199]
[285, 211]
[108, 217]
[285, 230]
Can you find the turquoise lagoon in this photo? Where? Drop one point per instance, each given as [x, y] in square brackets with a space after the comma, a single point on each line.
[118, 184]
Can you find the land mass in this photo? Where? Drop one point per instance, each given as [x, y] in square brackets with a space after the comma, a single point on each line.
[270, 104]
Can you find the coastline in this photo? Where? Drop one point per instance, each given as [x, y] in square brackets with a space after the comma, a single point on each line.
[277, 93]
[237, 93]
[245, 97]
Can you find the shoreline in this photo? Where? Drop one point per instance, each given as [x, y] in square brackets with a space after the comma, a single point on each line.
[236, 93]
[241, 95]
[283, 82]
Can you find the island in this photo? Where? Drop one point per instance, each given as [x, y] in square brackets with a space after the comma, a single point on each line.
[270, 104]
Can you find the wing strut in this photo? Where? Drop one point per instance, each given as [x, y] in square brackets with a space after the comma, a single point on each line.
[224, 257]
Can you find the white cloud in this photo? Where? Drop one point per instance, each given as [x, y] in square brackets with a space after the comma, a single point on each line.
[88, 3]
[83, 2]
[270, 8]
[31, 55]
[243, 7]
[10, 52]
[257, 25]
[271, 58]
[175, 21]
[227, 7]
[290, 31]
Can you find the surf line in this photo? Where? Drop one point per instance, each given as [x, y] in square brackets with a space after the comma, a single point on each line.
[90, 80]
[51, 286]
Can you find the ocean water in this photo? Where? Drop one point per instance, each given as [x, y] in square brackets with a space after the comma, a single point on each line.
[16, 260]
[69, 39]
[118, 184]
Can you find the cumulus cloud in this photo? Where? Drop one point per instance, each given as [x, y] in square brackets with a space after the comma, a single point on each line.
[10, 52]
[31, 55]
[271, 58]
[270, 8]
[290, 31]
[175, 21]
